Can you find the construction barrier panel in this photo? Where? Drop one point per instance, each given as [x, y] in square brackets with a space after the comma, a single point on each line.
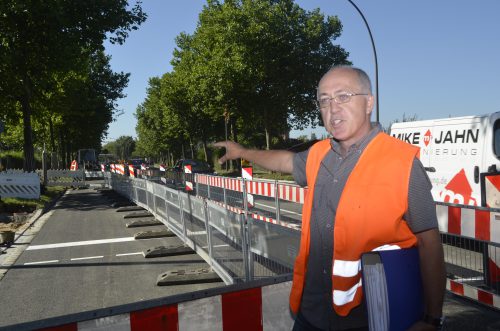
[19, 185]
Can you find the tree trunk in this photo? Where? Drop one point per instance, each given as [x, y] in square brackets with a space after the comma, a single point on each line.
[191, 145]
[267, 139]
[51, 132]
[29, 154]
[205, 151]
[235, 164]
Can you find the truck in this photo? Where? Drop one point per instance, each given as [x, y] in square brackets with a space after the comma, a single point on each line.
[461, 156]
[87, 159]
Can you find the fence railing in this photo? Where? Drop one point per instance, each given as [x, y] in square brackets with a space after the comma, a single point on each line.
[239, 248]
[470, 235]
[251, 254]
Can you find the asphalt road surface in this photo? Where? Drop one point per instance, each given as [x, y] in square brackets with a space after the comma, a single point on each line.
[83, 258]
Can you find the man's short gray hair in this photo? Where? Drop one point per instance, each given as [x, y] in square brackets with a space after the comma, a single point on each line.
[364, 80]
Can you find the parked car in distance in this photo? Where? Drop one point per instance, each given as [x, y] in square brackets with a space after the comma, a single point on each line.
[197, 166]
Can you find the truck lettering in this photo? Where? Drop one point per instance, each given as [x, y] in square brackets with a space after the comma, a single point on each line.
[409, 137]
[449, 151]
[463, 136]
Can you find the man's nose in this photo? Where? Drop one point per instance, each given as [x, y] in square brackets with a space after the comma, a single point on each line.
[334, 107]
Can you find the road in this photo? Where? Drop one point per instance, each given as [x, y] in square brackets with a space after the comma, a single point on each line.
[85, 258]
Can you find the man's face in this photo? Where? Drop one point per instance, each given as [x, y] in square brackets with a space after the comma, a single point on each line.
[347, 122]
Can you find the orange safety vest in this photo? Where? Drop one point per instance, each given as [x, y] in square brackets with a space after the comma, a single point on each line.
[369, 216]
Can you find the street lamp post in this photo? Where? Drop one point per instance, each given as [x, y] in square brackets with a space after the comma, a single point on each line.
[374, 55]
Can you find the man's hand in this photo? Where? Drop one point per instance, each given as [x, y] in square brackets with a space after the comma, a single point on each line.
[233, 150]
[274, 160]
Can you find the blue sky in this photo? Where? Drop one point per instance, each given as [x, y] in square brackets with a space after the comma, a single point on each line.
[435, 58]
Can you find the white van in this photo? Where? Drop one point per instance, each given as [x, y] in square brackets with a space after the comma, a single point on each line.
[461, 156]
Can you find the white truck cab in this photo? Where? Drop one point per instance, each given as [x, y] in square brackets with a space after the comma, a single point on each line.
[461, 156]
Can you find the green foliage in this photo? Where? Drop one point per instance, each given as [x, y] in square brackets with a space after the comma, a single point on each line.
[124, 147]
[405, 118]
[250, 69]
[54, 73]
[12, 205]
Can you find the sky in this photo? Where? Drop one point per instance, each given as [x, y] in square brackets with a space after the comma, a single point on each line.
[435, 59]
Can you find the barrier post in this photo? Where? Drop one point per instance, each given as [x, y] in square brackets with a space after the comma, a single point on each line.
[246, 227]
[224, 191]
[208, 187]
[486, 267]
[245, 248]
[277, 200]
[209, 230]
[183, 221]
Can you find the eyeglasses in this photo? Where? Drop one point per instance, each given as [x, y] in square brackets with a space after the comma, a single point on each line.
[339, 98]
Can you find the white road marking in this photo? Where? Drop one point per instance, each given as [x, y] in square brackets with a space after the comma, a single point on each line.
[80, 243]
[127, 254]
[41, 262]
[87, 258]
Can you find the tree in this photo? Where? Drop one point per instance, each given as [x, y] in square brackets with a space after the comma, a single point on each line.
[405, 118]
[258, 61]
[124, 147]
[42, 39]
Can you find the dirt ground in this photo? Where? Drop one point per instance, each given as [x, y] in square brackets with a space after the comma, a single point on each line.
[13, 221]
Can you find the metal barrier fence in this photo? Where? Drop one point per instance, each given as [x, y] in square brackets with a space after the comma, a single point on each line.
[471, 243]
[470, 235]
[66, 178]
[238, 248]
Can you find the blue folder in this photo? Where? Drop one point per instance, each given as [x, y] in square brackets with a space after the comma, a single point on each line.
[404, 287]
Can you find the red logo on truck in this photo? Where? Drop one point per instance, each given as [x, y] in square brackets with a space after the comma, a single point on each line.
[427, 138]
[458, 190]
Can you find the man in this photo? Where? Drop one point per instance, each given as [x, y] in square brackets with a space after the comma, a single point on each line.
[367, 190]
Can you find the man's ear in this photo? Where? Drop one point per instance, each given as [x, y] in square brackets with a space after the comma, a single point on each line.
[369, 104]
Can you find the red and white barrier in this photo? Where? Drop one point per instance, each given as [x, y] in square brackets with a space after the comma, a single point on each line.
[292, 193]
[286, 192]
[187, 170]
[120, 169]
[112, 167]
[247, 173]
[103, 168]
[163, 167]
[266, 189]
[74, 166]
[473, 293]
[222, 182]
[264, 308]
[131, 171]
[469, 222]
[477, 224]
